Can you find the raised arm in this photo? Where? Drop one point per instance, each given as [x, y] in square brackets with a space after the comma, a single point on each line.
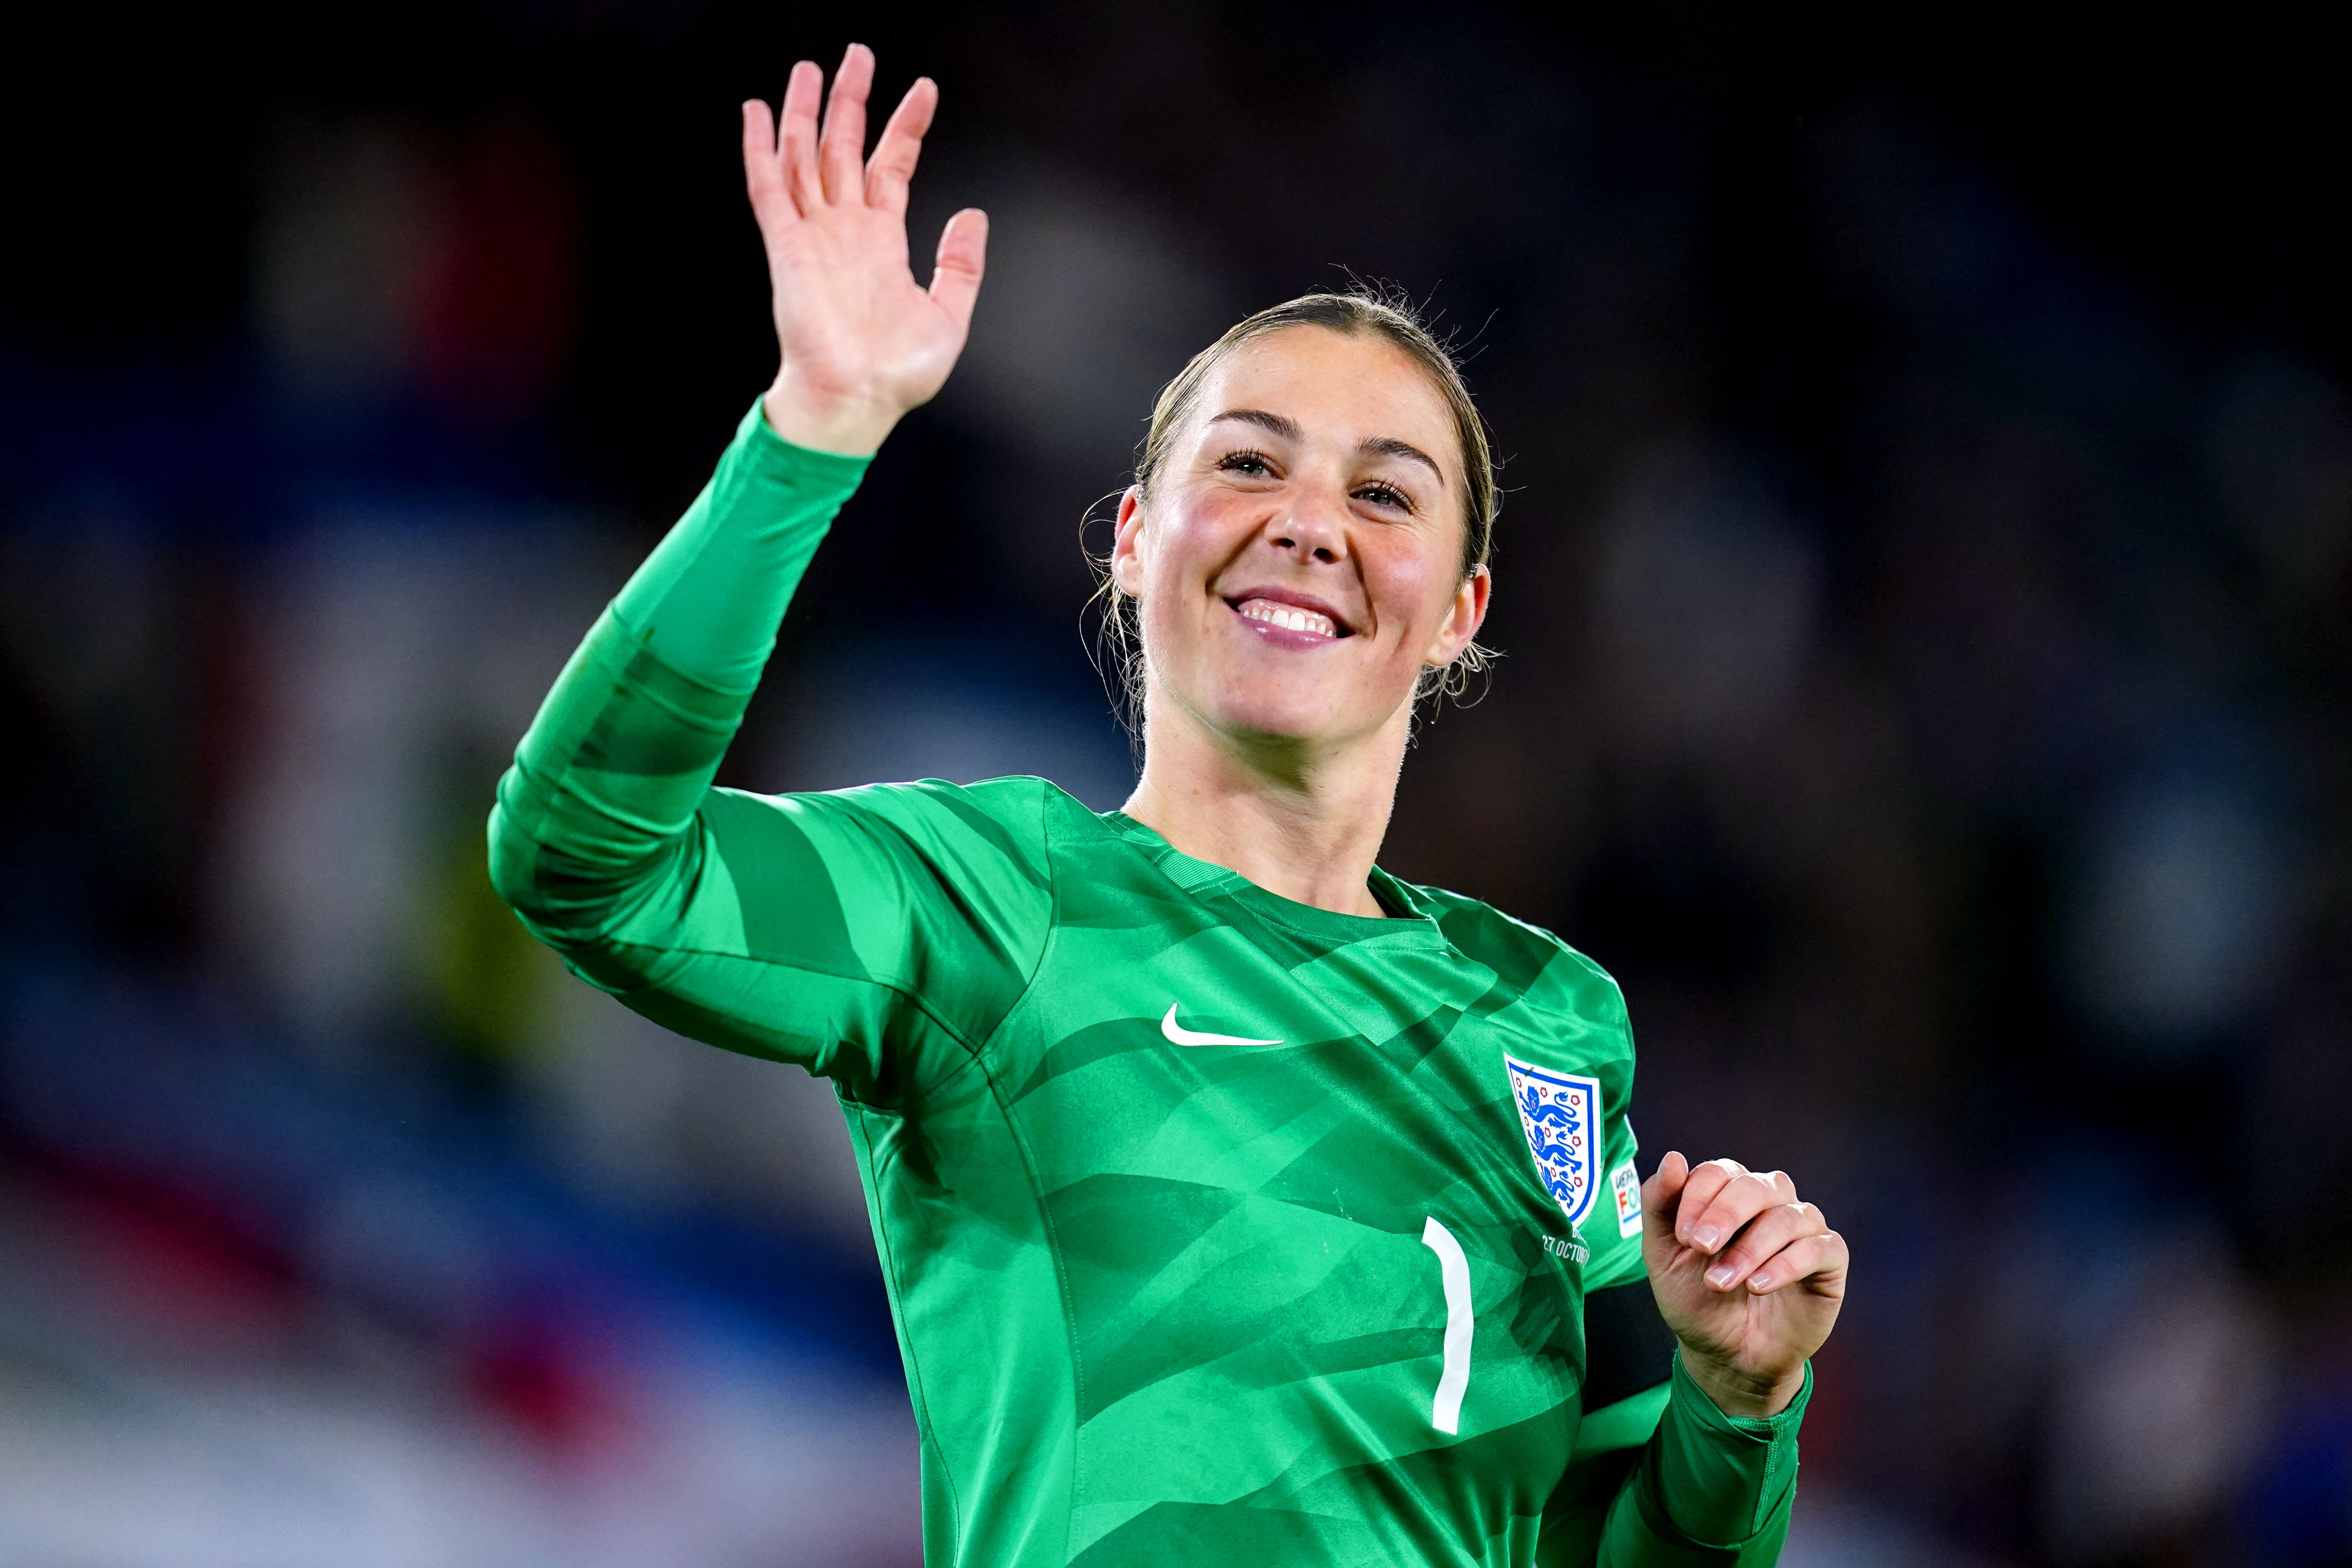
[858, 343]
[798, 927]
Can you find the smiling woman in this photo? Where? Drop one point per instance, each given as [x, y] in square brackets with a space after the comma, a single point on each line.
[1299, 545]
[1238, 1202]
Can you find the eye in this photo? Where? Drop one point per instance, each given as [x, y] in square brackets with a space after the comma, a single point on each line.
[1381, 493]
[1254, 465]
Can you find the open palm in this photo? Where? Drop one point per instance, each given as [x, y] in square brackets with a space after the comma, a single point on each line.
[861, 342]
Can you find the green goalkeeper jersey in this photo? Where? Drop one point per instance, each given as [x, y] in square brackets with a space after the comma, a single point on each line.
[1218, 1228]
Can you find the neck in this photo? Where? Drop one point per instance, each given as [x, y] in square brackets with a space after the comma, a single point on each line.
[1304, 822]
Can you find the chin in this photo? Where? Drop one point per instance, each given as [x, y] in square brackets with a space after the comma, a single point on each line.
[1257, 724]
[1271, 714]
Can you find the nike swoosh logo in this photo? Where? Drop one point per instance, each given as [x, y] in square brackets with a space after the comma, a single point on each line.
[1179, 1035]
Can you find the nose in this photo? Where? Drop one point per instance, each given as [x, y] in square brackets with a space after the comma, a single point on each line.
[1312, 527]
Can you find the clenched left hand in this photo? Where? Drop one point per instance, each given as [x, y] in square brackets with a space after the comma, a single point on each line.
[1750, 1277]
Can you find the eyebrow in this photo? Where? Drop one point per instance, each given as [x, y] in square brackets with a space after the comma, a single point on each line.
[1282, 425]
[1389, 447]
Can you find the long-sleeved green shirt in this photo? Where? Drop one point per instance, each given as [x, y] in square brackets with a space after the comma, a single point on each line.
[1217, 1228]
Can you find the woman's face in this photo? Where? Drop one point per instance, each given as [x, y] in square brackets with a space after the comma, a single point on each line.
[1299, 559]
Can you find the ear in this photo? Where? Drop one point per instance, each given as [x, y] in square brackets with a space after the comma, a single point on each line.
[1126, 550]
[1460, 627]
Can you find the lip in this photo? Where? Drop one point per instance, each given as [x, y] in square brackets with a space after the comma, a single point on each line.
[1284, 635]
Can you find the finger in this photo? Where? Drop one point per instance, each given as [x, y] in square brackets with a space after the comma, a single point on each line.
[963, 259]
[892, 163]
[1660, 1195]
[796, 137]
[842, 154]
[763, 177]
[1738, 1201]
[1705, 1181]
[1817, 1262]
[1767, 1234]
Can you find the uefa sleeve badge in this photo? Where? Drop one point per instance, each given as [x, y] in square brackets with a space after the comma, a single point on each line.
[1627, 1185]
[1560, 1114]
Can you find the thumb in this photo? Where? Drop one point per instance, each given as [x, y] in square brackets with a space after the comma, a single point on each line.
[962, 257]
[1661, 1195]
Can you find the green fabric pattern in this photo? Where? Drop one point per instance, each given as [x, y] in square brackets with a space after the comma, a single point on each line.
[1159, 1300]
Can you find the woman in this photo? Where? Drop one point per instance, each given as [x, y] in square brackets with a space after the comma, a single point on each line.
[1238, 1202]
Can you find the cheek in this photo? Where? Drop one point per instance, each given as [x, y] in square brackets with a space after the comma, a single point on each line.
[1413, 590]
[1188, 542]
[1167, 577]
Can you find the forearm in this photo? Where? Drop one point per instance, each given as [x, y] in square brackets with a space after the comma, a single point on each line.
[709, 600]
[626, 746]
[1710, 1490]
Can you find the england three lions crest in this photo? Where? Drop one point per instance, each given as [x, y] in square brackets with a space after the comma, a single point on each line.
[1561, 1114]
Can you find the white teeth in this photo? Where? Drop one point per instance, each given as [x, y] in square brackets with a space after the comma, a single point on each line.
[1289, 617]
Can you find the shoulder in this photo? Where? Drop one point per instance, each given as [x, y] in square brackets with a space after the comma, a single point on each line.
[1010, 803]
[999, 823]
[1534, 969]
[1003, 817]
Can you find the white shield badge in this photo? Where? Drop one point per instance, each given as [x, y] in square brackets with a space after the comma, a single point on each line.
[1561, 1114]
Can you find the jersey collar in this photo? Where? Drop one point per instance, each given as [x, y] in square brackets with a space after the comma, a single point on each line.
[1408, 918]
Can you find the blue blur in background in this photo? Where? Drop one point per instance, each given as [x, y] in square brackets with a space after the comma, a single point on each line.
[1926, 587]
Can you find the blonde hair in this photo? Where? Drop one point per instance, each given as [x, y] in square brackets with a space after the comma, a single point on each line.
[1355, 314]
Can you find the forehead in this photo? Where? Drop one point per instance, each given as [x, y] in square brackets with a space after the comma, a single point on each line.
[1348, 387]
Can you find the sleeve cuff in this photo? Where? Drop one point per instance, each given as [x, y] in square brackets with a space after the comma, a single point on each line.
[1720, 1481]
[776, 457]
[1690, 1397]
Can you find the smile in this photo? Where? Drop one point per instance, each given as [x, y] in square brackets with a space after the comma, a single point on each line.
[1293, 625]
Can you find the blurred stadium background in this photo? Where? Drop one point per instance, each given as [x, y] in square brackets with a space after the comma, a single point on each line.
[1927, 593]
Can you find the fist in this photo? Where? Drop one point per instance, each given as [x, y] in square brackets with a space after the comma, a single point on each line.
[1749, 1276]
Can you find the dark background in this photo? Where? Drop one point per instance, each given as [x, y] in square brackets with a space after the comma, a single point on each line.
[1927, 589]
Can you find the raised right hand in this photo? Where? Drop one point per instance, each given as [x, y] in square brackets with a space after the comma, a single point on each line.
[861, 342]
